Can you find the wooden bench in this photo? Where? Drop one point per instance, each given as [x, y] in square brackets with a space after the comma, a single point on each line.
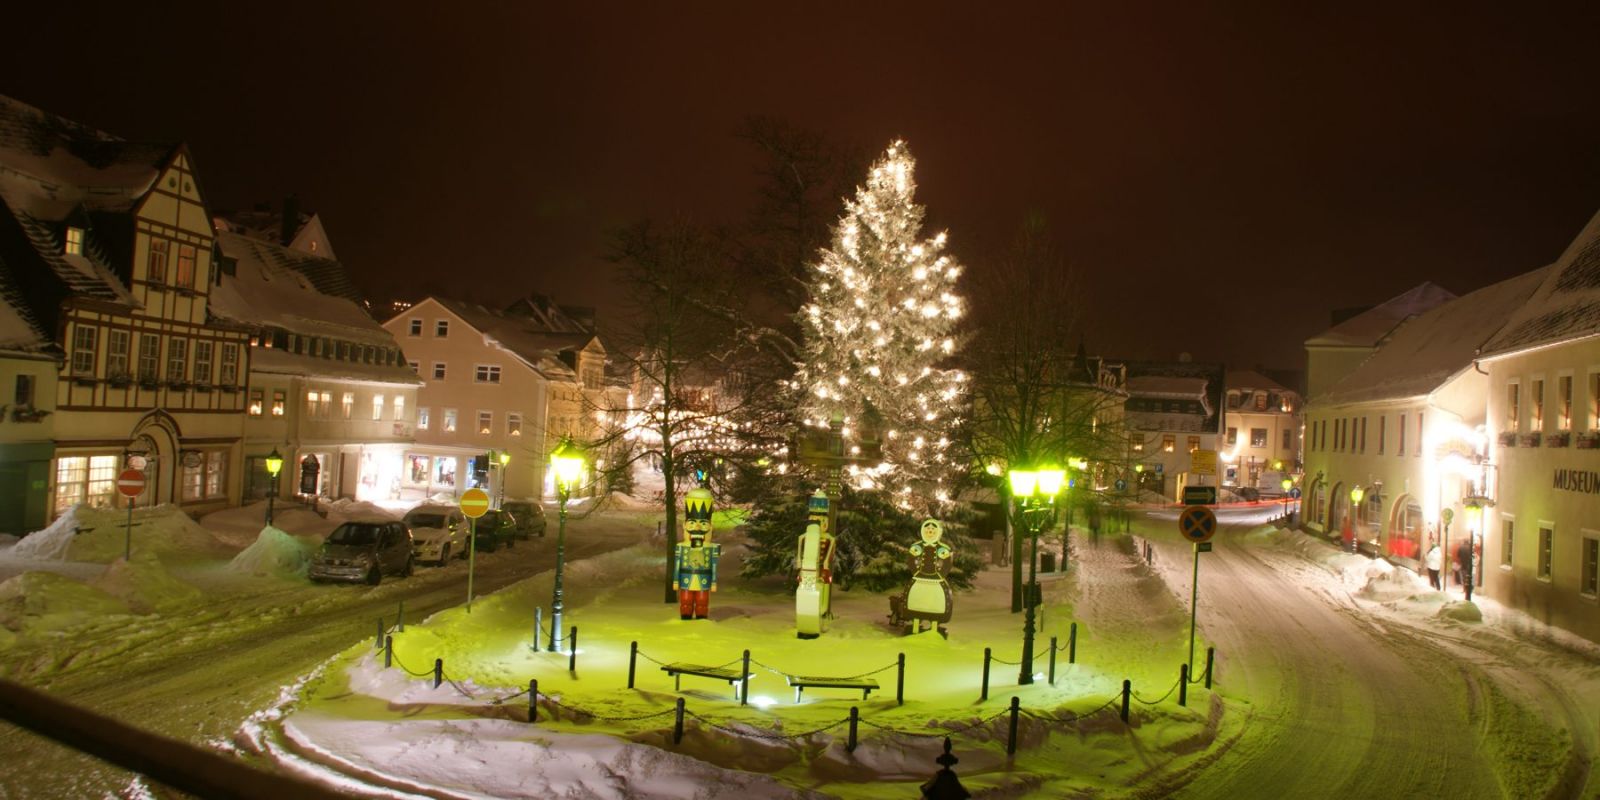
[801, 682]
[733, 675]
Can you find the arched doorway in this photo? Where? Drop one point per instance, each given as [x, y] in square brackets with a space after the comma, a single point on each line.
[1317, 503]
[1404, 539]
[155, 439]
[1338, 510]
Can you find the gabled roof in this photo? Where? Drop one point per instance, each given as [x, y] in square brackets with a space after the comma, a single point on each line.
[1167, 387]
[1210, 374]
[1241, 379]
[1369, 328]
[540, 348]
[1425, 353]
[267, 289]
[1566, 305]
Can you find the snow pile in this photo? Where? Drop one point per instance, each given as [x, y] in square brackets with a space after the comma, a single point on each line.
[1462, 611]
[239, 527]
[622, 501]
[43, 601]
[275, 552]
[6, 540]
[145, 585]
[353, 509]
[101, 536]
[1385, 583]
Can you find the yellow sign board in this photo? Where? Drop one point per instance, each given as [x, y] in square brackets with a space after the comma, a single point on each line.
[1203, 462]
[474, 502]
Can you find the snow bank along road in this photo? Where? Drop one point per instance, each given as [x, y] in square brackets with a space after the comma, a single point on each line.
[197, 675]
[1338, 704]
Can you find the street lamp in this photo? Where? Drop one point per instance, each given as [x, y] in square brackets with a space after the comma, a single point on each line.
[1035, 492]
[504, 457]
[1287, 485]
[274, 466]
[1474, 505]
[566, 462]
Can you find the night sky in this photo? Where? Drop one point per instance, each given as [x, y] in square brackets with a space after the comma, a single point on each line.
[1223, 179]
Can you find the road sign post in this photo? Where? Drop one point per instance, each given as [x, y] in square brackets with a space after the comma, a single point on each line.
[474, 502]
[1196, 524]
[130, 484]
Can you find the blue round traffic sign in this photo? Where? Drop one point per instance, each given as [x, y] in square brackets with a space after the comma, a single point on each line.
[1294, 494]
[1197, 524]
[1121, 485]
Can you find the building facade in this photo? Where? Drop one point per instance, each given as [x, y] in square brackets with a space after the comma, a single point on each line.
[1261, 432]
[110, 250]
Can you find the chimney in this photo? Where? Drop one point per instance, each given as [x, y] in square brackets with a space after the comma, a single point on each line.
[291, 219]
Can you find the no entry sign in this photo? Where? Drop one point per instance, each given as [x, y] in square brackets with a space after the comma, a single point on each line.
[130, 482]
[474, 502]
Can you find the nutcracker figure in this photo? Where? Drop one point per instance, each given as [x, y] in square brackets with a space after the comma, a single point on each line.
[814, 558]
[928, 599]
[696, 557]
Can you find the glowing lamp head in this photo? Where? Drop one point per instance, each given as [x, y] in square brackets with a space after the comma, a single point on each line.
[274, 462]
[1023, 482]
[1050, 481]
[504, 457]
[1287, 483]
[566, 461]
[1357, 493]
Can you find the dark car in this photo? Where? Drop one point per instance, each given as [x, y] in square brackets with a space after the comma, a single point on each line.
[530, 517]
[363, 551]
[495, 528]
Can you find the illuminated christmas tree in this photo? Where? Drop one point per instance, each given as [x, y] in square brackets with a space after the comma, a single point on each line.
[880, 323]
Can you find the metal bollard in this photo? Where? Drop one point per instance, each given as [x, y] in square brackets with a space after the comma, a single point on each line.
[538, 626]
[379, 641]
[1052, 679]
[533, 700]
[572, 656]
[985, 695]
[900, 682]
[1127, 689]
[438, 672]
[388, 652]
[855, 717]
[744, 682]
[677, 725]
[1211, 654]
[1072, 644]
[1011, 740]
[1183, 684]
[400, 618]
[633, 657]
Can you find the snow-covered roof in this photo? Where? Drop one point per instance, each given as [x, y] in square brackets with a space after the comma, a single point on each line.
[1426, 352]
[323, 269]
[283, 362]
[1369, 328]
[1245, 379]
[267, 289]
[109, 173]
[523, 335]
[1167, 386]
[1566, 305]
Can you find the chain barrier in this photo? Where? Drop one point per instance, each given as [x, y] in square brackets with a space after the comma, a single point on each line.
[1159, 700]
[409, 670]
[771, 737]
[604, 718]
[500, 700]
[646, 656]
[941, 734]
[1070, 716]
[999, 660]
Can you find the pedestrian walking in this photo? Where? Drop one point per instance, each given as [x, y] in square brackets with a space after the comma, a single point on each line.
[1433, 561]
[1463, 570]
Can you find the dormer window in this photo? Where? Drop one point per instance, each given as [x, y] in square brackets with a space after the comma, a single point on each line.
[74, 241]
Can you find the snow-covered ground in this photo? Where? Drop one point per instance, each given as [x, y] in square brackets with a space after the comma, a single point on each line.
[1337, 676]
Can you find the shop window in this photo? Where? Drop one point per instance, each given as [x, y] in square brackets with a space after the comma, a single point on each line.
[513, 424]
[256, 400]
[417, 468]
[416, 327]
[1258, 437]
[449, 420]
[422, 418]
[90, 480]
[485, 422]
[347, 404]
[444, 473]
[377, 407]
[1546, 548]
[83, 341]
[1169, 442]
[1508, 541]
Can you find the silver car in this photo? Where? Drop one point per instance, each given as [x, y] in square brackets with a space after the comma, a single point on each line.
[366, 550]
[439, 532]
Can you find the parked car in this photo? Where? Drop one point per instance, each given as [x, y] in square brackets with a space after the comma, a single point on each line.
[530, 517]
[495, 528]
[364, 550]
[440, 532]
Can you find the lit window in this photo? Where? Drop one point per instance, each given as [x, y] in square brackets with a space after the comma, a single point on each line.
[83, 341]
[485, 422]
[399, 408]
[441, 328]
[74, 241]
[1169, 442]
[156, 267]
[1258, 437]
[183, 277]
[325, 406]
[117, 353]
[257, 398]
[487, 373]
[449, 420]
[202, 361]
[1536, 395]
[311, 405]
[513, 424]
[416, 327]
[177, 360]
[280, 399]
[1136, 440]
[422, 418]
[377, 406]
[1564, 402]
[438, 370]
[1194, 443]
[1233, 436]
[347, 404]
[1513, 406]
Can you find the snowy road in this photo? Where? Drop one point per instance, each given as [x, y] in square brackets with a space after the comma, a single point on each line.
[196, 676]
[1338, 704]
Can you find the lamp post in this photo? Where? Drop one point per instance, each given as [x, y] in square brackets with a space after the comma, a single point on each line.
[566, 461]
[504, 457]
[1287, 485]
[1035, 492]
[1356, 493]
[1473, 505]
[274, 466]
